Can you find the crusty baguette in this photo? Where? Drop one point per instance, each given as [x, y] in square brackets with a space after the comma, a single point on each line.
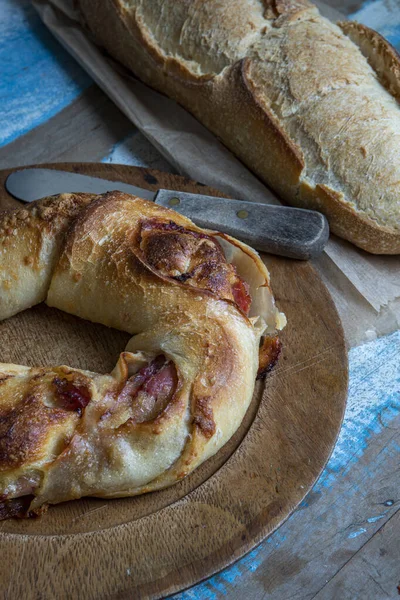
[185, 381]
[309, 106]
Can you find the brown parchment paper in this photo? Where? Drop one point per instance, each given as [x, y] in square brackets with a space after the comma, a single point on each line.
[365, 288]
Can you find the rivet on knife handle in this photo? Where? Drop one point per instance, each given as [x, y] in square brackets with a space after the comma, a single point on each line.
[286, 231]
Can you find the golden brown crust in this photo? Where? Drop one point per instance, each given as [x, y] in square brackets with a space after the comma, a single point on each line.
[269, 352]
[53, 213]
[23, 431]
[35, 414]
[345, 223]
[181, 255]
[290, 150]
[381, 55]
[203, 417]
[30, 241]
[288, 84]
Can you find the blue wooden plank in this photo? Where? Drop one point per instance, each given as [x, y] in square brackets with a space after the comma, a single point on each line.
[38, 77]
[383, 16]
[373, 403]
[137, 151]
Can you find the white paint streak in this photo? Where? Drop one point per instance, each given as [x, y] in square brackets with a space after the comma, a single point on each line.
[137, 151]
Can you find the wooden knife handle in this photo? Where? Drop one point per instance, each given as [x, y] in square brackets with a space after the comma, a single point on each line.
[292, 232]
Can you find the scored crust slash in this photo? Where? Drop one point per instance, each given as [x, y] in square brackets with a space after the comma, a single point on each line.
[204, 323]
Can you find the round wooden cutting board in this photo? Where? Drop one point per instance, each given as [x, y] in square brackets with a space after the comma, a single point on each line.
[159, 543]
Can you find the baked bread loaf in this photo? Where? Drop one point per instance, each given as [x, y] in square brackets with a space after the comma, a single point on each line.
[311, 107]
[197, 303]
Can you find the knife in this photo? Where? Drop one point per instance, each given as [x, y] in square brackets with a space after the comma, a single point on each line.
[286, 231]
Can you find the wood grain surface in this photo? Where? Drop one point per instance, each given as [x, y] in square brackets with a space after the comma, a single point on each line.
[159, 543]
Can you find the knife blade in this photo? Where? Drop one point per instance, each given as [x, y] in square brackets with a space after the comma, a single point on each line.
[34, 183]
[285, 231]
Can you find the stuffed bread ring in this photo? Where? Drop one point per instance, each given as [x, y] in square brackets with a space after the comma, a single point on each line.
[197, 303]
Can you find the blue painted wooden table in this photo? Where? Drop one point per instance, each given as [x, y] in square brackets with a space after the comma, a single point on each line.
[344, 540]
